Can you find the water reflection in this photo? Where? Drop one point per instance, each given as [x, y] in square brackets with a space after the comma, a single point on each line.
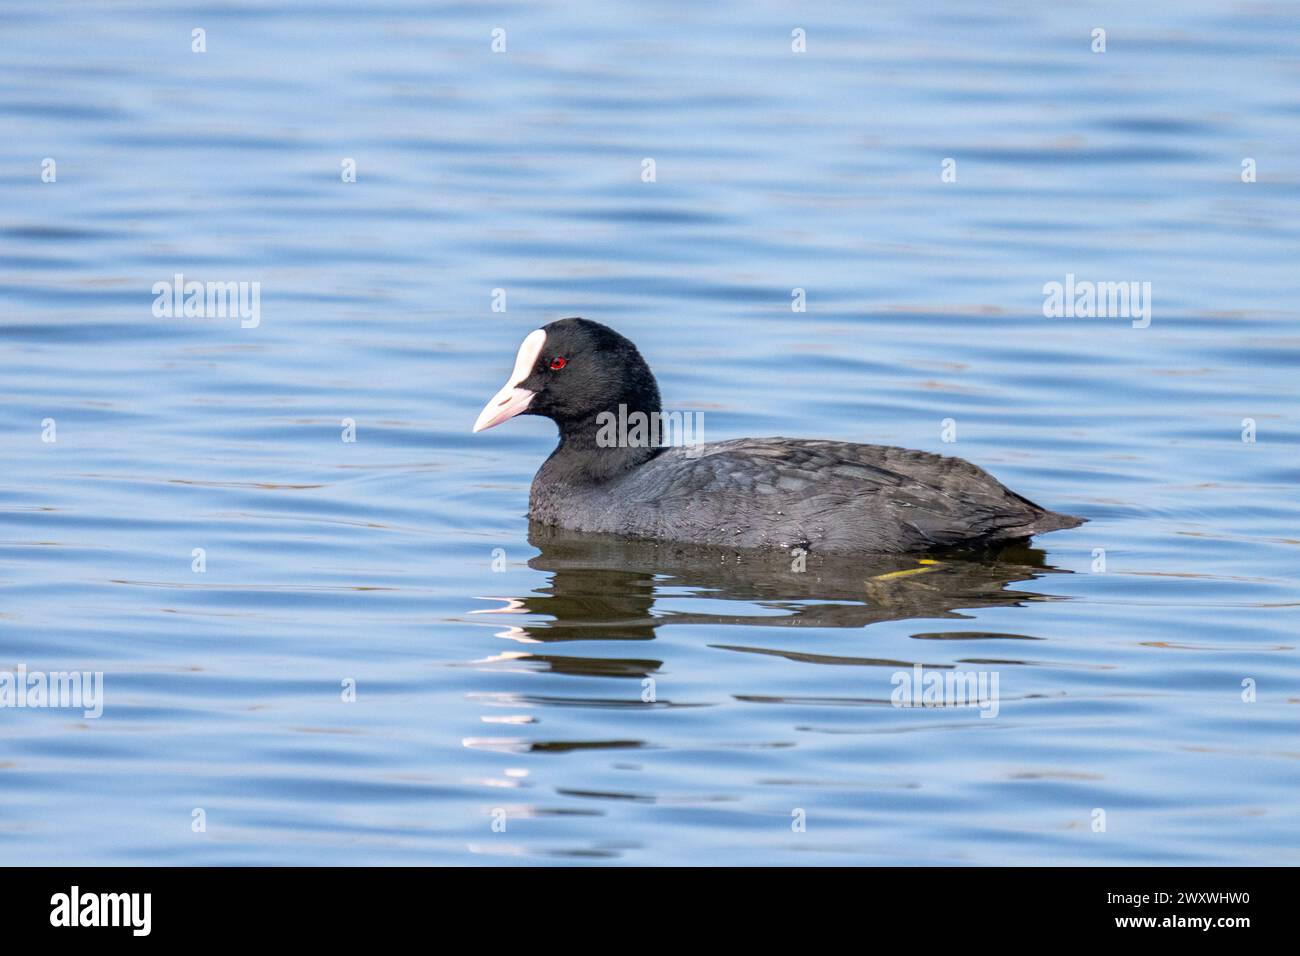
[609, 588]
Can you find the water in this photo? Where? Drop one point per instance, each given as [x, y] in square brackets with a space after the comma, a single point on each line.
[516, 695]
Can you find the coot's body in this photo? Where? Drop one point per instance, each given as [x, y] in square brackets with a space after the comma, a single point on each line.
[824, 496]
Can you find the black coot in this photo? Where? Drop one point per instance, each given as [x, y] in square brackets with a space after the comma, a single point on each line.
[824, 496]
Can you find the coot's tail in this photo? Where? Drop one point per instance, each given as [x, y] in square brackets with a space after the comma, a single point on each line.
[1046, 521]
[1033, 519]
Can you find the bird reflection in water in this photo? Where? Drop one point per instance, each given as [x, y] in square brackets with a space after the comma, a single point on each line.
[605, 588]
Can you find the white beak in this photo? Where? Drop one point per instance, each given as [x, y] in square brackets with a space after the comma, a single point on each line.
[512, 399]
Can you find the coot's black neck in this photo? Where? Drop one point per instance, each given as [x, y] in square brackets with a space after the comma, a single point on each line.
[607, 444]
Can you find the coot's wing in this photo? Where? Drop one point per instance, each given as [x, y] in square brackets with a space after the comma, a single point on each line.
[845, 496]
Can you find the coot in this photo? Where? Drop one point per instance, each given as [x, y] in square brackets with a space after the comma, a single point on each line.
[827, 497]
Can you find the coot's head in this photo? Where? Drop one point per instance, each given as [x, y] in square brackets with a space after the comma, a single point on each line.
[570, 371]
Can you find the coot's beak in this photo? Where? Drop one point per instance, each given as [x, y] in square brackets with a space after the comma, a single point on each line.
[506, 403]
[512, 399]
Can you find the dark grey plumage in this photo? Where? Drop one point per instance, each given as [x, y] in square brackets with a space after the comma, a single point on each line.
[824, 496]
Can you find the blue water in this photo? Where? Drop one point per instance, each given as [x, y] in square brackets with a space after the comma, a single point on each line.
[499, 714]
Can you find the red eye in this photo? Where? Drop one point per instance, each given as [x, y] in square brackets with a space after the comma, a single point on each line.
[558, 363]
